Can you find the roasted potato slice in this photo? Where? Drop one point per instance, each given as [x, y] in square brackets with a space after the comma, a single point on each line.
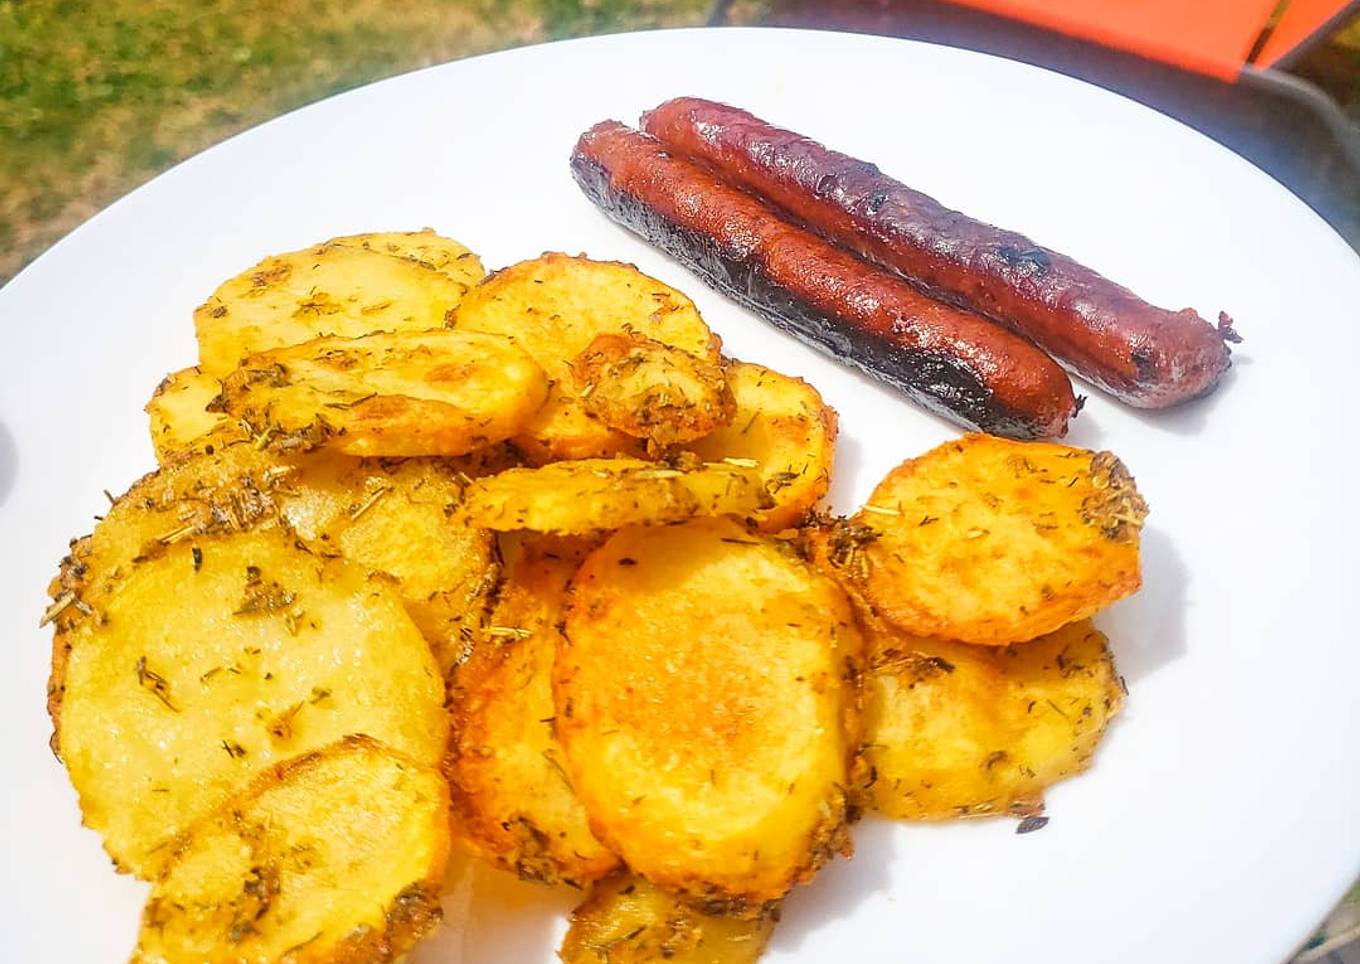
[397, 517]
[629, 921]
[389, 394]
[956, 730]
[180, 420]
[987, 540]
[336, 288]
[701, 703]
[589, 495]
[222, 655]
[781, 424]
[512, 802]
[387, 516]
[651, 391]
[425, 248]
[556, 305]
[336, 855]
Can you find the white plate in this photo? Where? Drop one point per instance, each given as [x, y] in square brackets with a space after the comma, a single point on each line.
[1223, 816]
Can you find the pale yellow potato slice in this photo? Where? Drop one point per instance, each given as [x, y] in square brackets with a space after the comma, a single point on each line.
[220, 656]
[336, 855]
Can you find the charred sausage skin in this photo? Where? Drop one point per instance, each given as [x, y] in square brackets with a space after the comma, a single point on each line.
[1148, 357]
[949, 361]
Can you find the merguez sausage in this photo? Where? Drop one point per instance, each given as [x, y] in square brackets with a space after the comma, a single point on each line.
[950, 361]
[1147, 356]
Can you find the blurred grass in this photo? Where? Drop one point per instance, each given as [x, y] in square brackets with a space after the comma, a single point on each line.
[96, 97]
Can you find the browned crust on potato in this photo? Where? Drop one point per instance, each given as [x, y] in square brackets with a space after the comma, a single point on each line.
[681, 712]
[512, 803]
[992, 541]
[650, 390]
[783, 425]
[627, 920]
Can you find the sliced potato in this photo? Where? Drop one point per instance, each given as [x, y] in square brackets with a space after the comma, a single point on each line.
[336, 855]
[629, 921]
[327, 289]
[783, 425]
[425, 248]
[180, 420]
[556, 305]
[398, 517]
[512, 802]
[395, 517]
[700, 702]
[222, 655]
[593, 494]
[955, 730]
[391, 394]
[987, 540]
[651, 391]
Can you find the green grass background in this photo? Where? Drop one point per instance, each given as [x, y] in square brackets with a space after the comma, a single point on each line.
[96, 97]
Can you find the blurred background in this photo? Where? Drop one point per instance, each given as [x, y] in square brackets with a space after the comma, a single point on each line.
[97, 97]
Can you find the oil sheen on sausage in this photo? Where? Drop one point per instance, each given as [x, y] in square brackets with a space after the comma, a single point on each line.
[948, 360]
[1147, 356]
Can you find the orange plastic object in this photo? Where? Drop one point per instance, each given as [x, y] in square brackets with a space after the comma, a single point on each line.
[1212, 37]
[1301, 19]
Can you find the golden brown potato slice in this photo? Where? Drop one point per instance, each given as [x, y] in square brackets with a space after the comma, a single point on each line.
[556, 305]
[629, 921]
[651, 391]
[336, 855]
[222, 655]
[328, 289]
[781, 424]
[398, 517]
[512, 802]
[593, 494]
[955, 730]
[180, 420]
[987, 540]
[701, 703]
[390, 394]
[425, 248]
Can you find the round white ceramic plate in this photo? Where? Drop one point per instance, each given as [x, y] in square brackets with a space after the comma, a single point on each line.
[1222, 817]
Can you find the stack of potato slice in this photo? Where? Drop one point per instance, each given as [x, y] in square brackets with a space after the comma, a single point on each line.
[522, 562]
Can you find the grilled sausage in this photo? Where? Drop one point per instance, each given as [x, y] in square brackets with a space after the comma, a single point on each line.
[950, 361]
[1147, 356]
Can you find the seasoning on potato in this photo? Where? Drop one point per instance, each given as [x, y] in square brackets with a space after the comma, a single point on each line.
[348, 287]
[649, 390]
[627, 920]
[701, 700]
[591, 495]
[522, 563]
[279, 872]
[218, 656]
[555, 306]
[988, 540]
[512, 801]
[388, 393]
[957, 730]
[783, 426]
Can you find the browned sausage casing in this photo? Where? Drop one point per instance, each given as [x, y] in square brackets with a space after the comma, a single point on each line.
[948, 360]
[1147, 356]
